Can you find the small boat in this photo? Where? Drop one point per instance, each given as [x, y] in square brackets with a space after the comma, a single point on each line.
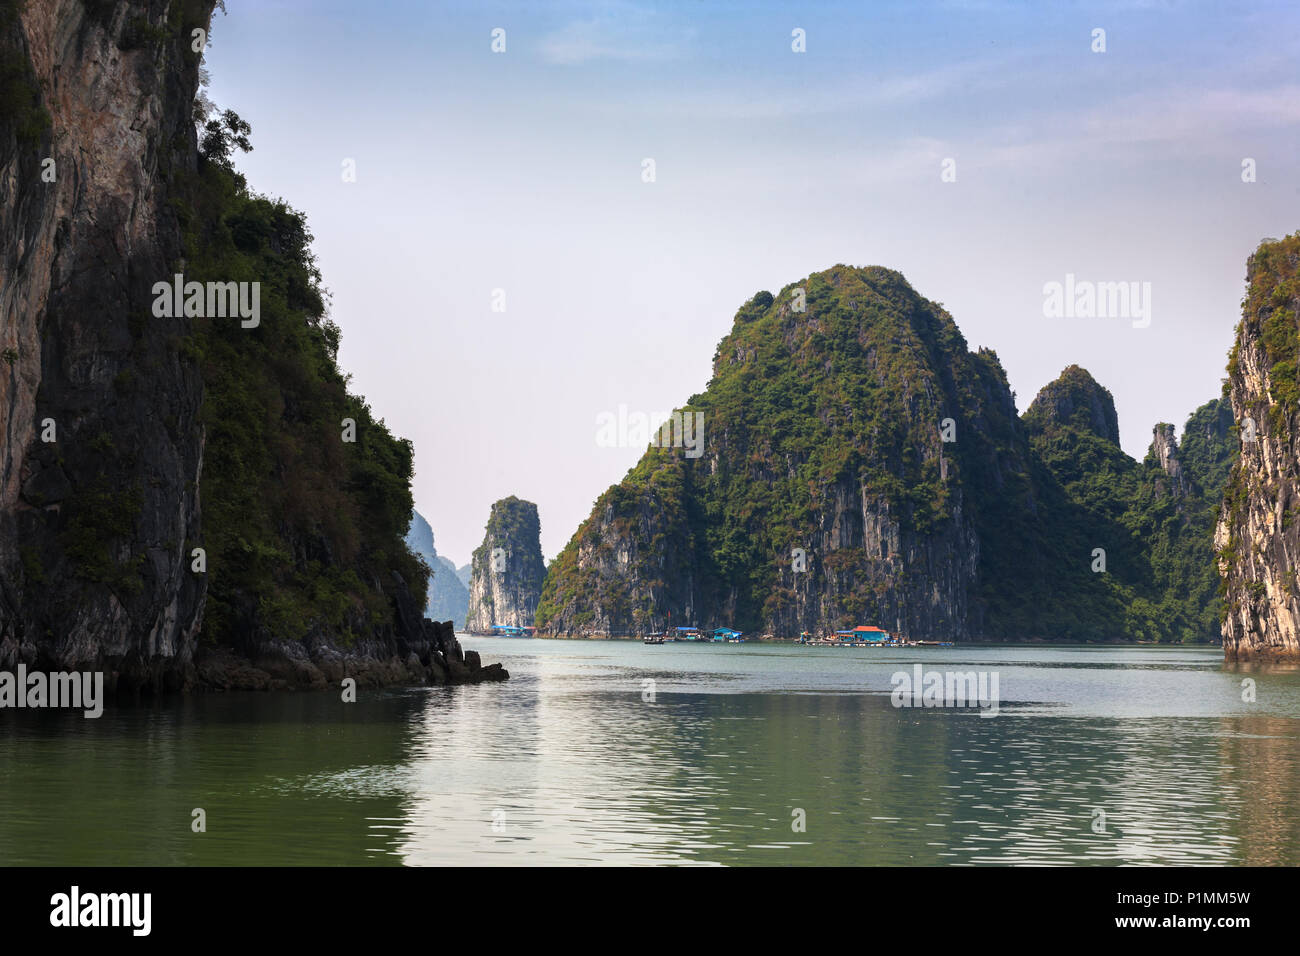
[653, 639]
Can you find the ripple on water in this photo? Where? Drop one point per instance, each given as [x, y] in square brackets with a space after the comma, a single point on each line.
[741, 755]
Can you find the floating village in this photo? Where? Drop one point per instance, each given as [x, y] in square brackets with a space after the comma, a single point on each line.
[864, 635]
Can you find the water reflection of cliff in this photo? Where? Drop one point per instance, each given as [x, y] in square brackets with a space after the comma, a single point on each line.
[1260, 758]
[589, 774]
[689, 778]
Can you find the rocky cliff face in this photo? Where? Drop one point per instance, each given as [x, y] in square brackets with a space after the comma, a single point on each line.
[100, 449]
[1258, 536]
[1164, 448]
[178, 506]
[861, 465]
[508, 569]
[448, 597]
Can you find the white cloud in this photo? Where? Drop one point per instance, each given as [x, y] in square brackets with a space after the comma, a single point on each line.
[773, 98]
[621, 32]
[1190, 122]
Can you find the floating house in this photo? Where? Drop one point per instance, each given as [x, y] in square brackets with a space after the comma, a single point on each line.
[727, 634]
[512, 630]
[865, 634]
[687, 634]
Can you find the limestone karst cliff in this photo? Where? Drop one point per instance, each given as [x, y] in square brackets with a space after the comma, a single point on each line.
[826, 492]
[1258, 535]
[861, 465]
[185, 500]
[100, 447]
[507, 574]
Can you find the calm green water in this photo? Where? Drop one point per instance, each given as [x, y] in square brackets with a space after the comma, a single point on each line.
[567, 763]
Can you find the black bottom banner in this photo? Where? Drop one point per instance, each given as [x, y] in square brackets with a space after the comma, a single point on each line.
[337, 905]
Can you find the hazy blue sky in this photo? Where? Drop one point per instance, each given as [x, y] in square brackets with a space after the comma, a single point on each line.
[522, 171]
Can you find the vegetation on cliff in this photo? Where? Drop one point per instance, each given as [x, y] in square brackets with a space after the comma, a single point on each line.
[1156, 529]
[1269, 316]
[303, 529]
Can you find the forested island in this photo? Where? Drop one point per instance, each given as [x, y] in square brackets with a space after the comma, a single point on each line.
[850, 426]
